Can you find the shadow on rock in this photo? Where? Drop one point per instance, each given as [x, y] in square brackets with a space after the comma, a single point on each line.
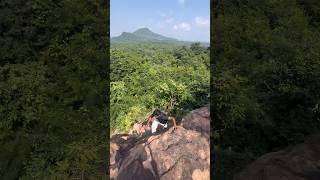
[298, 162]
[134, 167]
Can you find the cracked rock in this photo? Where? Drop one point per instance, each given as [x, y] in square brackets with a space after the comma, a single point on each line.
[182, 154]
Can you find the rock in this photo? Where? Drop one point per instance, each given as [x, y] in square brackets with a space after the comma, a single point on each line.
[200, 175]
[139, 129]
[180, 154]
[168, 156]
[299, 162]
[133, 167]
[198, 120]
[113, 167]
[119, 147]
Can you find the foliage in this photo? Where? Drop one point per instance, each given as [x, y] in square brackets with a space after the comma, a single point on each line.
[53, 81]
[265, 78]
[144, 78]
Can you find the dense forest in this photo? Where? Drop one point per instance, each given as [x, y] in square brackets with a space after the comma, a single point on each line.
[265, 78]
[53, 84]
[149, 76]
[265, 81]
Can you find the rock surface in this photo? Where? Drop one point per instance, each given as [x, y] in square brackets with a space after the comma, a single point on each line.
[300, 162]
[139, 129]
[180, 154]
[198, 120]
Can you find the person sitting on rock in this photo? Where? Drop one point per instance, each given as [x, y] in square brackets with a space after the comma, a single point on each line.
[160, 118]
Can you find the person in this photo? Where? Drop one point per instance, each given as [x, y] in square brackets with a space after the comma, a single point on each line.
[160, 118]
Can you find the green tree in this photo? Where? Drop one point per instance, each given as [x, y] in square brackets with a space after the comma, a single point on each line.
[53, 82]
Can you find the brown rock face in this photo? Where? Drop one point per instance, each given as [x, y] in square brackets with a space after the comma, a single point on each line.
[179, 154]
[300, 162]
[139, 129]
[198, 120]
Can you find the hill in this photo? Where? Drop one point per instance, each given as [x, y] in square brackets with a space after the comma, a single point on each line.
[146, 36]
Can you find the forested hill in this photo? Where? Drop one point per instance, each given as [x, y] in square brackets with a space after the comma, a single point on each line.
[146, 36]
[149, 77]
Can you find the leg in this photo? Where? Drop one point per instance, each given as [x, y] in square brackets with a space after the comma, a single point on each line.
[154, 126]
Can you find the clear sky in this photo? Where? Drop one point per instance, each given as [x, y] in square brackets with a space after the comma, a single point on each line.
[180, 19]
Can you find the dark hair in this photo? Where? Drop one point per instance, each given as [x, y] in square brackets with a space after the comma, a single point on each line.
[156, 112]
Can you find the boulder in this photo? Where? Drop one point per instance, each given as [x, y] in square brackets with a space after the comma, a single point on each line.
[119, 147]
[138, 129]
[183, 153]
[198, 120]
[300, 162]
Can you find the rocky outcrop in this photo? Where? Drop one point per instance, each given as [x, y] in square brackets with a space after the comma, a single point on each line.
[198, 120]
[138, 129]
[180, 154]
[300, 162]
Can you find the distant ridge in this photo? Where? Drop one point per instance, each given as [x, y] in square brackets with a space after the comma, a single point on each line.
[145, 35]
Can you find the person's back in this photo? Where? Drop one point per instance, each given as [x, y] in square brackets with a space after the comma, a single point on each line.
[160, 118]
[163, 117]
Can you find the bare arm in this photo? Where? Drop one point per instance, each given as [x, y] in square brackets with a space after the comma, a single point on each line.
[173, 119]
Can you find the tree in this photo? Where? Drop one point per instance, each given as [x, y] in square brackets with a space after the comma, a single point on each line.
[53, 81]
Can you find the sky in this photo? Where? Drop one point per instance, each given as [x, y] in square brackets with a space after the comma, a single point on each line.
[187, 20]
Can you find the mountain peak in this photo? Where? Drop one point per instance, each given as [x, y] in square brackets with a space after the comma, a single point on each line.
[146, 33]
[143, 30]
[125, 33]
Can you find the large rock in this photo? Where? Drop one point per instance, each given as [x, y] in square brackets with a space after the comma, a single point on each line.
[119, 148]
[300, 162]
[198, 120]
[180, 154]
[139, 129]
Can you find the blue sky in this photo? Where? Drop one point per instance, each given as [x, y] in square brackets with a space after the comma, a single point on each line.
[180, 19]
